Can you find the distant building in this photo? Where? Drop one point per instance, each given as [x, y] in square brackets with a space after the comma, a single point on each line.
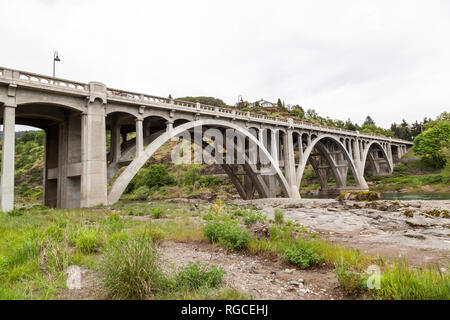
[263, 103]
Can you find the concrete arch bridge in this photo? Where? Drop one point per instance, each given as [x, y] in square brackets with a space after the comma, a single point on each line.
[79, 163]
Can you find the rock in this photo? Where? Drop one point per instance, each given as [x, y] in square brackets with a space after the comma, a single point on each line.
[332, 209]
[301, 280]
[294, 283]
[260, 230]
[359, 205]
[289, 271]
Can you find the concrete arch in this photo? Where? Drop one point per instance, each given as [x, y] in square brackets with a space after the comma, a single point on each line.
[119, 109]
[383, 151]
[151, 112]
[123, 180]
[41, 105]
[307, 153]
[35, 98]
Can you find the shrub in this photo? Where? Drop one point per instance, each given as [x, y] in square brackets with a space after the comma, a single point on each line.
[87, 240]
[54, 232]
[192, 175]
[157, 212]
[153, 177]
[250, 216]
[131, 269]
[278, 216]
[210, 181]
[16, 212]
[141, 193]
[302, 254]
[226, 232]
[197, 275]
[352, 282]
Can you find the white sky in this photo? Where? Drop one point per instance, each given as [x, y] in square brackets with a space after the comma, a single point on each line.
[387, 59]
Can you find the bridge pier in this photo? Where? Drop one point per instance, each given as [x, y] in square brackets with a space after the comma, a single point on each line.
[7, 179]
[93, 149]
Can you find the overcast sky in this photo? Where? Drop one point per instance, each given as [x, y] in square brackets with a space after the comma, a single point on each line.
[387, 59]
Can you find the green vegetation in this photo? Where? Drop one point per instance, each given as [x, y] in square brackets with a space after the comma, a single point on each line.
[302, 254]
[211, 101]
[38, 244]
[226, 232]
[433, 143]
[278, 215]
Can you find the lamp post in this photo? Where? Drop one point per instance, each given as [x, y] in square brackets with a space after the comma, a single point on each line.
[55, 59]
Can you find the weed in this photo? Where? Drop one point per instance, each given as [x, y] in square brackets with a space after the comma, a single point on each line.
[157, 212]
[226, 232]
[250, 216]
[278, 216]
[196, 275]
[87, 240]
[302, 254]
[352, 282]
[131, 269]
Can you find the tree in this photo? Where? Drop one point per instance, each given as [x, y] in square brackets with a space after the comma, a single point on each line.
[206, 100]
[369, 121]
[279, 104]
[297, 111]
[350, 126]
[431, 143]
[312, 114]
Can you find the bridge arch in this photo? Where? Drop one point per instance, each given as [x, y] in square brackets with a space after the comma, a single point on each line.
[370, 145]
[123, 180]
[347, 157]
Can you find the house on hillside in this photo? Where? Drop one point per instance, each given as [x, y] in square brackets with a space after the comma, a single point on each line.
[263, 103]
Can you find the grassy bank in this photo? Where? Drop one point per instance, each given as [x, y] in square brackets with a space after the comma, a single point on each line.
[120, 244]
[411, 177]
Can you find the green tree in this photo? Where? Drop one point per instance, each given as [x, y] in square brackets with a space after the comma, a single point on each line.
[431, 143]
[369, 121]
[297, 111]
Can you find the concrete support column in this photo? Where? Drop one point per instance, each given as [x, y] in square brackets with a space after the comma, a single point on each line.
[389, 154]
[361, 182]
[115, 143]
[300, 150]
[399, 152]
[274, 147]
[169, 126]
[93, 146]
[350, 148]
[289, 164]
[139, 137]
[63, 153]
[7, 179]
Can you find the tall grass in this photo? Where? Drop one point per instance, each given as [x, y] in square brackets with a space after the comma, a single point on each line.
[131, 269]
[401, 282]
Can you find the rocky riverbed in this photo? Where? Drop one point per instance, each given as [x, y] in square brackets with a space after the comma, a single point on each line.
[416, 230]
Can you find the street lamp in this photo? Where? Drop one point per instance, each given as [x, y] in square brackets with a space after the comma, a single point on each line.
[55, 59]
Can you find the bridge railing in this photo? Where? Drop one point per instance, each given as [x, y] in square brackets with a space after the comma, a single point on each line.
[138, 97]
[44, 80]
[246, 115]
